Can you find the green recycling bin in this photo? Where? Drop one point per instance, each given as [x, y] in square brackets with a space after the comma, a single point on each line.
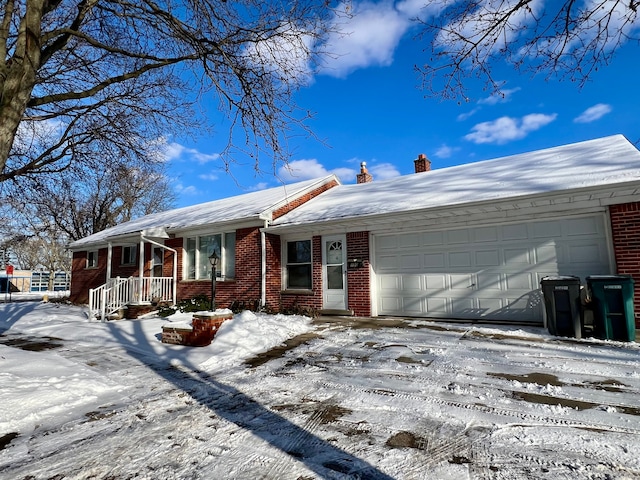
[562, 305]
[612, 300]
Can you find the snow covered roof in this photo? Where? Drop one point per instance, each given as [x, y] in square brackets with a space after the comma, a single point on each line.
[256, 206]
[594, 163]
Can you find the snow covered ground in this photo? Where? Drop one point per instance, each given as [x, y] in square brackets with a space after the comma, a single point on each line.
[282, 397]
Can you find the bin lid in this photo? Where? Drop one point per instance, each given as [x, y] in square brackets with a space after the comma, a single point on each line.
[560, 278]
[609, 278]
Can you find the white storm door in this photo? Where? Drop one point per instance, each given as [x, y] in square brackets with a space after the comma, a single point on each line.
[334, 272]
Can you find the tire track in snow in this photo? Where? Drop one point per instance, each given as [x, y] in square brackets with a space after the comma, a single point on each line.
[501, 411]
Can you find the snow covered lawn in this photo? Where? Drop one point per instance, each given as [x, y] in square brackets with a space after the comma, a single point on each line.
[281, 397]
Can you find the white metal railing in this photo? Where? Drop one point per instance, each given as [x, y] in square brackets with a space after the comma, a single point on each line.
[119, 292]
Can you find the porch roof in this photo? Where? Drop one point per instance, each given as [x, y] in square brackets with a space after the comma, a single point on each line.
[255, 206]
[610, 163]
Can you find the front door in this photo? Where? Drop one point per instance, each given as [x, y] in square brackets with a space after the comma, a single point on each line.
[334, 278]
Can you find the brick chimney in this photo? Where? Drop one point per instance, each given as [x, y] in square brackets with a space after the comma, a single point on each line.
[422, 163]
[364, 176]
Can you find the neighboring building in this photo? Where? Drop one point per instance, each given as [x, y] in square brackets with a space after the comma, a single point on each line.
[470, 242]
[24, 281]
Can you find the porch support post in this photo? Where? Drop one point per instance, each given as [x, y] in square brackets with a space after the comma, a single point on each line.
[109, 258]
[175, 277]
[141, 267]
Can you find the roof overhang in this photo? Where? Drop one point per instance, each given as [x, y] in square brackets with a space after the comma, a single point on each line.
[586, 200]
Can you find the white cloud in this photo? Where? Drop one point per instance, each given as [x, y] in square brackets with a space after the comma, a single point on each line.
[594, 113]
[464, 116]
[384, 171]
[506, 129]
[368, 35]
[503, 96]
[181, 189]
[306, 169]
[169, 151]
[287, 54]
[210, 177]
[444, 151]
[473, 28]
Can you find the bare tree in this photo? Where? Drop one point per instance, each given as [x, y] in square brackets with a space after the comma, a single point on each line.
[79, 202]
[570, 39]
[74, 73]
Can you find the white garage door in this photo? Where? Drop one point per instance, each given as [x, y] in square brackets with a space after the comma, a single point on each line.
[490, 272]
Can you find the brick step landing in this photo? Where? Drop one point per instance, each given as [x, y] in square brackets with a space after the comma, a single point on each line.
[199, 333]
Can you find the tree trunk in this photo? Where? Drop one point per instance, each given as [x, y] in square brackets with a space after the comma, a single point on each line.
[20, 76]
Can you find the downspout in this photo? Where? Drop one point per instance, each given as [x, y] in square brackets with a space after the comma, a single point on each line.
[175, 264]
[263, 260]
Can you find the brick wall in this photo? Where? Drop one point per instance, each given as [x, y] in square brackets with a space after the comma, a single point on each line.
[83, 278]
[359, 279]
[313, 299]
[274, 271]
[303, 199]
[625, 229]
[246, 285]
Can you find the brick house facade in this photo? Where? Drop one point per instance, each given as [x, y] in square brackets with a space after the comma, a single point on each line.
[319, 212]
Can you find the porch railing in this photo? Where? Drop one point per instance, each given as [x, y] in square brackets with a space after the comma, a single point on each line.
[119, 292]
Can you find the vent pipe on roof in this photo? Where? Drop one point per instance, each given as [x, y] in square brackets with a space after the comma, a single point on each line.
[422, 163]
[364, 176]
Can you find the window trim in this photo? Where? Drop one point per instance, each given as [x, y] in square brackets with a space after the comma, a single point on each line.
[286, 264]
[222, 263]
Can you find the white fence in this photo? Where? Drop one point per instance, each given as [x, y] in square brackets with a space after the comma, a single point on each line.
[119, 292]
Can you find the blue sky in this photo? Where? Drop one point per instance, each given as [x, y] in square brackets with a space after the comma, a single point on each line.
[368, 106]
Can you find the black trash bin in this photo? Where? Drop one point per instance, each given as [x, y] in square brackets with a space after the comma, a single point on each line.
[612, 304]
[562, 304]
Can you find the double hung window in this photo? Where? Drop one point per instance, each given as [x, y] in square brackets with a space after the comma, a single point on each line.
[129, 255]
[92, 259]
[200, 248]
[298, 264]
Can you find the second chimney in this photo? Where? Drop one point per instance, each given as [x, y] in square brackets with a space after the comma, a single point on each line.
[364, 176]
[422, 163]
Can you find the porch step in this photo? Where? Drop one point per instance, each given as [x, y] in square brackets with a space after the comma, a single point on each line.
[346, 313]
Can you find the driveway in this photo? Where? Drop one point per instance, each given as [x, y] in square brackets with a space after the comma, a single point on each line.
[354, 399]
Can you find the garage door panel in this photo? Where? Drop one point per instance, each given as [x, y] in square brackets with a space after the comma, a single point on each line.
[461, 281]
[520, 281]
[517, 256]
[457, 236]
[432, 239]
[411, 283]
[390, 304]
[546, 253]
[489, 280]
[412, 304]
[489, 272]
[488, 258]
[485, 234]
[435, 282]
[388, 262]
[390, 283]
[433, 260]
[486, 306]
[410, 262]
[515, 232]
[437, 305]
